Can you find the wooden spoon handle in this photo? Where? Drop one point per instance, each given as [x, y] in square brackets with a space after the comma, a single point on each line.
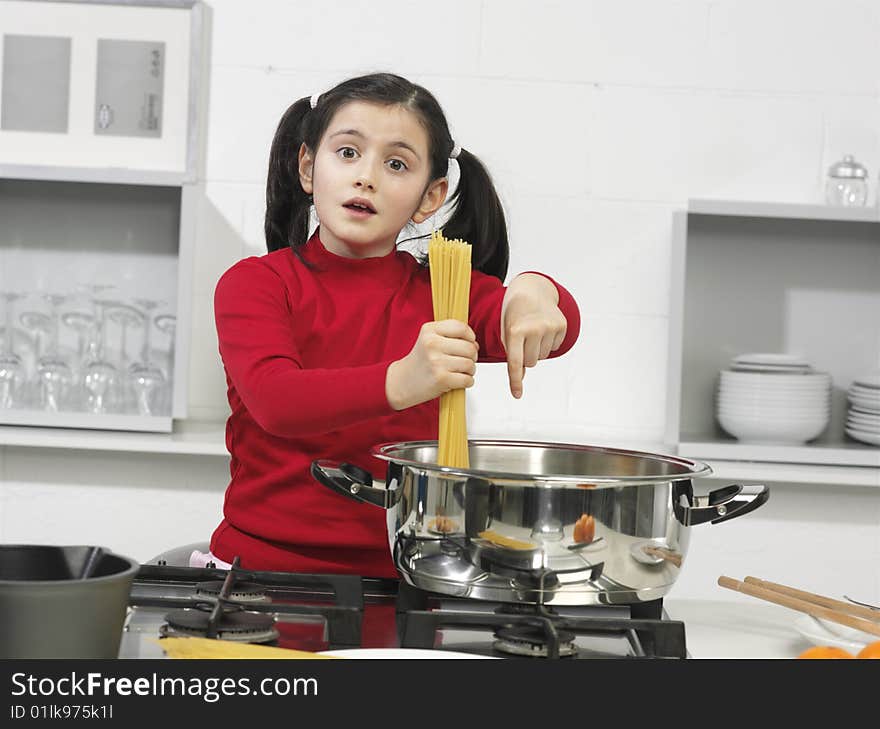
[839, 605]
[817, 611]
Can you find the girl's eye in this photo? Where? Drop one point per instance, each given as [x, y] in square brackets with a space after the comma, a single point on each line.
[347, 152]
[397, 165]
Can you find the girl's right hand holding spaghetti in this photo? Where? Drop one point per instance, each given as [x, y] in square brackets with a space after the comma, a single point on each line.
[442, 359]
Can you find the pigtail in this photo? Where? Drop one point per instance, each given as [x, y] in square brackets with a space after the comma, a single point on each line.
[478, 217]
[287, 204]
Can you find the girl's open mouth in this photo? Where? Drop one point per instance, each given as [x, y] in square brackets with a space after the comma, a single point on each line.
[360, 207]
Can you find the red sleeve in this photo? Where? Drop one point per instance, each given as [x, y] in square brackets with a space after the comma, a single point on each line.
[252, 311]
[487, 295]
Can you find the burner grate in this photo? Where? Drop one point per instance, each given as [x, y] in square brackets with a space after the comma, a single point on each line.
[532, 641]
[337, 599]
[648, 638]
[243, 627]
[240, 591]
[547, 634]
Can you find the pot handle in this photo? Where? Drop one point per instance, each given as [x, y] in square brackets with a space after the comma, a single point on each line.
[352, 481]
[720, 505]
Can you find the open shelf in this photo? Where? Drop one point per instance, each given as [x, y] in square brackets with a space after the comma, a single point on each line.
[146, 423]
[735, 471]
[118, 256]
[833, 454]
[773, 277]
[109, 175]
[203, 438]
[789, 211]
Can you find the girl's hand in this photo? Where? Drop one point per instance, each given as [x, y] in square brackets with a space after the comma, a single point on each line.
[442, 359]
[532, 326]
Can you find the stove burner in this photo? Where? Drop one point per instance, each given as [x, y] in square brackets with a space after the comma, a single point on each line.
[531, 640]
[239, 626]
[239, 592]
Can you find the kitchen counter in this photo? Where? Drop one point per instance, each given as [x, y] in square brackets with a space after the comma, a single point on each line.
[734, 629]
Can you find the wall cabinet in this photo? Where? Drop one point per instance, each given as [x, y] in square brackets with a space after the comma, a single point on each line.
[101, 120]
[761, 277]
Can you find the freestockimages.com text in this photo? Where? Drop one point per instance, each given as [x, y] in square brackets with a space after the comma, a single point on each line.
[210, 689]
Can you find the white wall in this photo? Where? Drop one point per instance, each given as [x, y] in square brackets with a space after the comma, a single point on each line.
[598, 120]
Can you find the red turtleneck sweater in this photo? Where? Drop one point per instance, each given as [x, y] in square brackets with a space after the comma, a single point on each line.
[305, 353]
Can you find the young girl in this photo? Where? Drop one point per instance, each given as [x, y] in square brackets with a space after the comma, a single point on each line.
[328, 341]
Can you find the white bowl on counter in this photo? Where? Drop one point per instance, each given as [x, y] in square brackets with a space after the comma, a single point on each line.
[819, 400]
[775, 417]
[764, 381]
[767, 430]
[781, 401]
[782, 389]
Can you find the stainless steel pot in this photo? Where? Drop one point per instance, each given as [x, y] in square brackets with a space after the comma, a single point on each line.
[540, 523]
[62, 602]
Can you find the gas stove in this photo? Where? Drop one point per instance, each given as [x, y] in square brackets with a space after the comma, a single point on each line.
[332, 612]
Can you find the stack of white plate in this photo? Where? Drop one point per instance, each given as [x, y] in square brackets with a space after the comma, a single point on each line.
[773, 398]
[863, 417]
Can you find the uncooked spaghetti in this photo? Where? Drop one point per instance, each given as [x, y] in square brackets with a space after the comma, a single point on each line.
[450, 265]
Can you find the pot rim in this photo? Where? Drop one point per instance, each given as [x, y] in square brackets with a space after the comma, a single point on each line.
[128, 573]
[696, 469]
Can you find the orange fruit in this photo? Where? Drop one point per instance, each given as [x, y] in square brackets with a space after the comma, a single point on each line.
[872, 650]
[825, 651]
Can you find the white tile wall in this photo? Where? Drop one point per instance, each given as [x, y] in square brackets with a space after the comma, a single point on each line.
[823, 539]
[597, 120]
[643, 43]
[348, 36]
[134, 504]
[790, 47]
[707, 144]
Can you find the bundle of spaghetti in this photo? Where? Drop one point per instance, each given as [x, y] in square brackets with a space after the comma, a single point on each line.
[450, 265]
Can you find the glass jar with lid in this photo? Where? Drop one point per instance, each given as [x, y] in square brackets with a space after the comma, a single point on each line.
[847, 183]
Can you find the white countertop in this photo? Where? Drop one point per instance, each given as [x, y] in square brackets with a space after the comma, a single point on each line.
[727, 629]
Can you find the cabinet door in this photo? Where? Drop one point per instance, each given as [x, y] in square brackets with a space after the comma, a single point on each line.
[107, 90]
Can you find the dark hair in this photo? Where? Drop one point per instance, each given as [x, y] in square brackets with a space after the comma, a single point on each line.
[477, 216]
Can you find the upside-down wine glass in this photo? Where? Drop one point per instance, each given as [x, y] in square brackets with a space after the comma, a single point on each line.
[11, 365]
[125, 317]
[82, 323]
[54, 371]
[146, 375]
[40, 325]
[167, 324]
[99, 374]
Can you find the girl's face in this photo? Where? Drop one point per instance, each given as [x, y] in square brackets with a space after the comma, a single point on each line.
[369, 177]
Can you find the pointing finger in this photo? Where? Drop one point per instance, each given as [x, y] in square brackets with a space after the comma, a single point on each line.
[515, 369]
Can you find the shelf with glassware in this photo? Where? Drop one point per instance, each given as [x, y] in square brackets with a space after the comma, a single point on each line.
[95, 291]
[781, 279]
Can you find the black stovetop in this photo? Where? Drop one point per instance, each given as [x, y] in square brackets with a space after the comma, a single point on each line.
[325, 612]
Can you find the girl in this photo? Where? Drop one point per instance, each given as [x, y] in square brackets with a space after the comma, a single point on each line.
[328, 341]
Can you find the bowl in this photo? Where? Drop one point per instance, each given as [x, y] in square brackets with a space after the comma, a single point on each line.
[49, 609]
[749, 429]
